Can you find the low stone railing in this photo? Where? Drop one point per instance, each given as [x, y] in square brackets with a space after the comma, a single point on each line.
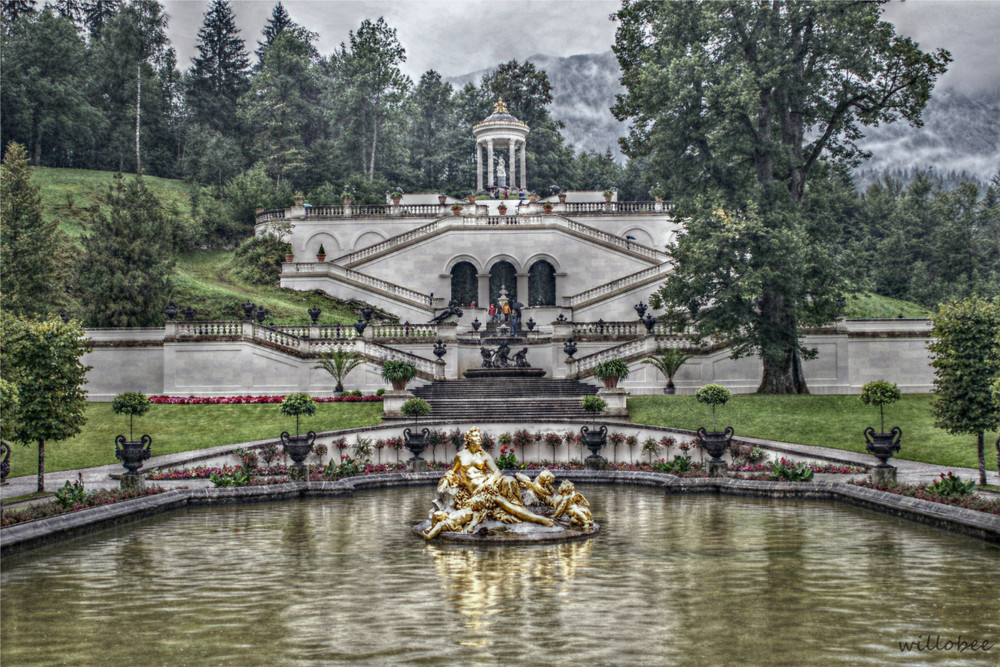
[624, 282]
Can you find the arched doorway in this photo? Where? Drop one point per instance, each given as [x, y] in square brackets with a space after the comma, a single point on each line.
[464, 284]
[541, 284]
[503, 274]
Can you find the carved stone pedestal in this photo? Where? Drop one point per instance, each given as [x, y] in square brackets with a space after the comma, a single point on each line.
[616, 400]
[883, 475]
[392, 403]
[132, 481]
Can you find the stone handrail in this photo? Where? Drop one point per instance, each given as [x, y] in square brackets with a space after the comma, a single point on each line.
[334, 270]
[385, 210]
[602, 328]
[334, 331]
[405, 330]
[208, 328]
[379, 353]
[615, 240]
[633, 349]
[389, 243]
[618, 284]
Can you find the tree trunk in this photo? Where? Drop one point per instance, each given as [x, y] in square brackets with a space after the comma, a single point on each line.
[41, 465]
[783, 376]
[36, 150]
[982, 460]
[371, 168]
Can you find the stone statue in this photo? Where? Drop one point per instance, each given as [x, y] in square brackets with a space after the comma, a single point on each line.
[540, 491]
[487, 357]
[475, 483]
[501, 173]
[501, 357]
[521, 360]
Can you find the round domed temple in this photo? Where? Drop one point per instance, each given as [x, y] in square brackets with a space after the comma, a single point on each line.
[497, 130]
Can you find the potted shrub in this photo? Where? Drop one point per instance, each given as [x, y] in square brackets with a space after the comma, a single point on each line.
[562, 197]
[456, 209]
[881, 445]
[289, 257]
[347, 198]
[321, 254]
[668, 362]
[533, 198]
[594, 440]
[442, 199]
[503, 208]
[547, 206]
[339, 363]
[715, 442]
[415, 441]
[610, 372]
[472, 197]
[298, 198]
[131, 452]
[397, 197]
[608, 194]
[398, 373]
[298, 446]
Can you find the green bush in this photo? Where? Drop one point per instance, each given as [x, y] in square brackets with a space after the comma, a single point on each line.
[594, 404]
[398, 371]
[785, 470]
[713, 394]
[949, 485]
[131, 404]
[613, 368]
[258, 260]
[416, 407]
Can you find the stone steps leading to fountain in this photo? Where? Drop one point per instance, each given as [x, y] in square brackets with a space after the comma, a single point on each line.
[507, 398]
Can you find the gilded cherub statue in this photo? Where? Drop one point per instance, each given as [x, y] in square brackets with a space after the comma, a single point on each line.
[540, 491]
[573, 505]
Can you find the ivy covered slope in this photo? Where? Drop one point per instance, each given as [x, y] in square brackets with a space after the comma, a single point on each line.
[208, 280]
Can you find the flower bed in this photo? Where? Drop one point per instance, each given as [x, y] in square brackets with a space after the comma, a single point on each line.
[95, 499]
[924, 492]
[203, 472]
[253, 400]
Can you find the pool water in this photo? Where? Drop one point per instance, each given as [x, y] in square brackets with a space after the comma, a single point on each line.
[669, 580]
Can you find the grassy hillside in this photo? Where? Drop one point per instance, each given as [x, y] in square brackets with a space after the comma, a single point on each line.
[869, 306]
[202, 279]
[73, 195]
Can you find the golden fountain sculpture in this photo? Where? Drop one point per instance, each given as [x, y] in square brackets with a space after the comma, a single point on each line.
[476, 500]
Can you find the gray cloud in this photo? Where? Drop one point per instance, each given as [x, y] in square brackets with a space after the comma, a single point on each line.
[459, 36]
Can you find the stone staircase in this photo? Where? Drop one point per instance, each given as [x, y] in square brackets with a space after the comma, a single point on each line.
[507, 399]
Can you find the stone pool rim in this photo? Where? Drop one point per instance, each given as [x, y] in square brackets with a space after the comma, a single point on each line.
[29, 535]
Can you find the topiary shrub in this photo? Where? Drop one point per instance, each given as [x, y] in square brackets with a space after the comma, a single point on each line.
[713, 394]
[880, 393]
[131, 404]
[296, 405]
[416, 408]
[593, 404]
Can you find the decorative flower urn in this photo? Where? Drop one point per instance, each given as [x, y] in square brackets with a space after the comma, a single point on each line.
[416, 442]
[132, 454]
[594, 441]
[716, 443]
[883, 445]
[5, 463]
[298, 447]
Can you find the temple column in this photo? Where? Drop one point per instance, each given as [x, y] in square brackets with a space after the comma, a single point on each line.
[479, 167]
[512, 177]
[489, 163]
[524, 171]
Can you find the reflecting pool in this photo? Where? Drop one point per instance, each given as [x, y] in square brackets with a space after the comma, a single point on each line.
[669, 580]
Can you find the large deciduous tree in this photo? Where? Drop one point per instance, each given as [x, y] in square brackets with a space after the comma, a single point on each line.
[128, 258]
[965, 345]
[28, 275]
[739, 107]
[42, 359]
[370, 92]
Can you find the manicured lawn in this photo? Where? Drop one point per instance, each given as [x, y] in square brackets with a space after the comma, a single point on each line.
[180, 428]
[826, 421]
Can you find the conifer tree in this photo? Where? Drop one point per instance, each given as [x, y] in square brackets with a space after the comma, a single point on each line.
[12, 10]
[28, 276]
[221, 71]
[128, 258]
[97, 13]
[279, 21]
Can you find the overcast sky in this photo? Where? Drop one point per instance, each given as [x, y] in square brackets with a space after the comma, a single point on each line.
[460, 36]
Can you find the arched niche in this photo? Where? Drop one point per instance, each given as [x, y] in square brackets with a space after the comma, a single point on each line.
[541, 284]
[503, 274]
[464, 283]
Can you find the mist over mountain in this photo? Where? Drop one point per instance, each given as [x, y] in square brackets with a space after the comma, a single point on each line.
[960, 135]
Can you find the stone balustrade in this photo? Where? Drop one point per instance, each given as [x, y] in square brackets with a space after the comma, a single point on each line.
[618, 284]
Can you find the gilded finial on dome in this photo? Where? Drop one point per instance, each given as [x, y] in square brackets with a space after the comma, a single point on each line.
[500, 106]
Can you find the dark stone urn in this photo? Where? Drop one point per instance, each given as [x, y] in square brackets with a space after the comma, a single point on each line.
[883, 445]
[716, 443]
[298, 448]
[416, 442]
[594, 441]
[132, 454]
[5, 462]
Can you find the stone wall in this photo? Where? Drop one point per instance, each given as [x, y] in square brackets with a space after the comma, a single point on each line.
[148, 360]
